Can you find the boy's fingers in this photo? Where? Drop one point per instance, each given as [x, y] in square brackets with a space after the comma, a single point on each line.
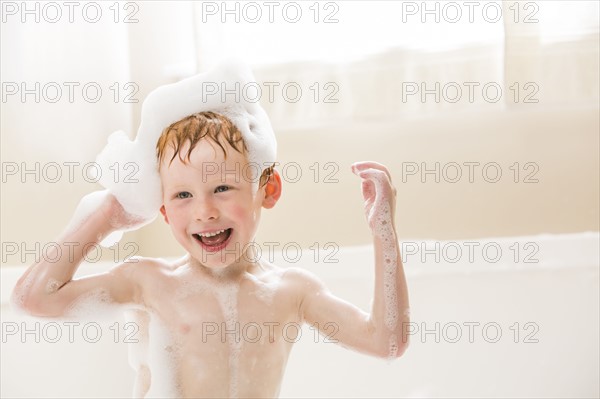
[378, 178]
[375, 175]
[368, 188]
[358, 167]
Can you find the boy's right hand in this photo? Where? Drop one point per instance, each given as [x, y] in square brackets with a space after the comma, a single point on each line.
[108, 210]
[117, 217]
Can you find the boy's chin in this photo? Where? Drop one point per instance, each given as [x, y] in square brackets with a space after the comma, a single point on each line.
[215, 261]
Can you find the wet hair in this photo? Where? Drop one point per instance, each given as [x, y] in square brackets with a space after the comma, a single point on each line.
[203, 125]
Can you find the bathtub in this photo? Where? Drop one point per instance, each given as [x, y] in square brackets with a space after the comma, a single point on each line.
[494, 317]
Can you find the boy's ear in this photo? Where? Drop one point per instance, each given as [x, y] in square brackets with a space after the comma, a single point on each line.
[164, 213]
[272, 190]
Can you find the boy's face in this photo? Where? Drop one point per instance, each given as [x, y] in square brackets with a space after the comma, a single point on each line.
[210, 204]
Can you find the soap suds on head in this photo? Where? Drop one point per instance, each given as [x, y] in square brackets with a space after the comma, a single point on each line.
[138, 187]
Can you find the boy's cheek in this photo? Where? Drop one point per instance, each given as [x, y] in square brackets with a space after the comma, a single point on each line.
[241, 212]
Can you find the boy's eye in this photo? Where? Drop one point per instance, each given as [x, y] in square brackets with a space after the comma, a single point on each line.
[183, 195]
[221, 189]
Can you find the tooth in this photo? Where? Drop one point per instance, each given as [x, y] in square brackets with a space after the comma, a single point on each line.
[212, 234]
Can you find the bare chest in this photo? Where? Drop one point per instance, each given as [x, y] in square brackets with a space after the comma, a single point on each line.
[224, 338]
[207, 317]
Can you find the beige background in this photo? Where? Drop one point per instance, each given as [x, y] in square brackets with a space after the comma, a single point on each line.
[559, 134]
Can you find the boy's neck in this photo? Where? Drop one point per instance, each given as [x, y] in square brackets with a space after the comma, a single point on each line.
[231, 272]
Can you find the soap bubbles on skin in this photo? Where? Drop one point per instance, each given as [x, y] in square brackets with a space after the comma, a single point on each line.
[393, 346]
[17, 300]
[226, 293]
[154, 355]
[163, 354]
[265, 291]
[390, 258]
[191, 287]
[141, 196]
[94, 305]
[52, 285]
[380, 221]
[227, 296]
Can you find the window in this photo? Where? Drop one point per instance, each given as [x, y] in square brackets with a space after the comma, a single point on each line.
[340, 31]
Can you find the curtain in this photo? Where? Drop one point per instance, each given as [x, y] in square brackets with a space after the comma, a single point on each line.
[331, 62]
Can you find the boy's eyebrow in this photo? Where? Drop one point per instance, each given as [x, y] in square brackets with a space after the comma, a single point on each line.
[175, 187]
[218, 177]
[221, 172]
[233, 173]
[204, 179]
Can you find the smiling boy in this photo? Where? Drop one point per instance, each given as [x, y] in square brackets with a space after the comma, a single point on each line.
[192, 312]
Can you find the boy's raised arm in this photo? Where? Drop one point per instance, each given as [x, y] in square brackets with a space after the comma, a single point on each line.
[383, 332]
[47, 288]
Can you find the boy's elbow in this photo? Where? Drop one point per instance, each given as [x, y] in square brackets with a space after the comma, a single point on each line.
[22, 298]
[401, 350]
[21, 303]
[393, 350]
[31, 305]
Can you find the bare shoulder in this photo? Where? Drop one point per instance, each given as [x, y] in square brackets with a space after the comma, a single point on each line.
[302, 281]
[138, 267]
[303, 287]
[290, 276]
[143, 272]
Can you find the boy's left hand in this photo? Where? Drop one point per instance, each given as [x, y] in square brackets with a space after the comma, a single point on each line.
[378, 192]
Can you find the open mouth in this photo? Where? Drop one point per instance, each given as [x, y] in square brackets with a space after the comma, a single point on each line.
[214, 241]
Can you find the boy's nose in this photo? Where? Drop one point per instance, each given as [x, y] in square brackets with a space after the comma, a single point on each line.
[206, 210]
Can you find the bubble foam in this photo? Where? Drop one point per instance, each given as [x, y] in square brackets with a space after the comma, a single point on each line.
[52, 285]
[384, 230]
[393, 346]
[94, 305]
[265, 291]
[163, 354]
[227, 296]
[17, 299]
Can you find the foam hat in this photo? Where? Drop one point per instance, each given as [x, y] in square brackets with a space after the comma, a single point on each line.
[227, 89]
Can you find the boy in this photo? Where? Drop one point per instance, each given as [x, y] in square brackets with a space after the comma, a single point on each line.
[191, 312]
